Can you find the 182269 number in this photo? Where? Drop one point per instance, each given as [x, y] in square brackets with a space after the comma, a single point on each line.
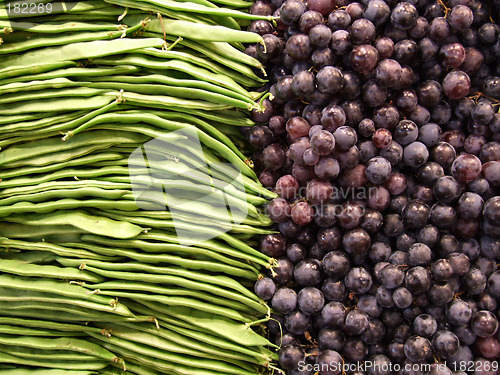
[28, 8]
[473, 366]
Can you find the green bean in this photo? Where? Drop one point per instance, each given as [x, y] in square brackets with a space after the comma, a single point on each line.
[79, 219]
[252, 355]
[236, 332]
[180, 220]
[61, 171]
[63, 343]
[221, 116]
[37, 257]
[156, 248]
[55, 83]
[69, 193]
[208, 128]
[188, 93]
[196, 31]
[56, 28]
[24, 331]
[23, 269]
[174, 352]
[229, 51]
[110, 288]
[47, 146]
[254, 256]
[132, 369]
[244, 271]
[18, 126]
[66, 39]
[234, 3]
[57, 212]
[40, 233]
[60, 123]
[222, 51]
[166, 102]
[18, 118]
[45, 371]
[124, 340]
[41, 325]
[189, 130]
[189, 167]
[34, 68]
[77, 92]
[69, 365]
[196, 6]
[218, 311]
[173, 78]
[63, 313]
[51, 158]
[14, 295]
[41, 354]
[134, 352]
[192, 205]
[241, 74]
[171, 275]
[225, 355]
[247, 226]
[176, 65]
[56, 104]
[61, 185]
[83, 73]
[60, 288]
[79, 51]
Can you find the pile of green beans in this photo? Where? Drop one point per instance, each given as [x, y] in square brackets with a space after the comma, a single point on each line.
[94, 278]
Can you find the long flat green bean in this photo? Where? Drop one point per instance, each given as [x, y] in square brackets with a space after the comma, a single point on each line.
[243, 271]
[78, 51]
[65, 39]
[58, 104]
[110, 288]
[77, 304]
[130, 352]
[236, 332]
[173, 351]
[70, 216]
[39, 175]
[45, 371]
[68, 193]
[69, 365]
[62, 185]
[176, 65]
[34, 270]
[231, 257]
[169, 334]
[134, 271]
[54, 145]
[78, 72]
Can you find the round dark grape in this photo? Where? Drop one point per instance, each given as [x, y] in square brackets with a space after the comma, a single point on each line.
[404, 16]
[484, 323]
[284, 300]
[364, 58]
[417, 349]
[290, 356]
[358, 280]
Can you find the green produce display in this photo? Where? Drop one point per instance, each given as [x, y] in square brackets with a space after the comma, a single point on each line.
[128, 207]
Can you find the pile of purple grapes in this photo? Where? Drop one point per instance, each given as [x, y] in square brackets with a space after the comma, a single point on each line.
[382, 139]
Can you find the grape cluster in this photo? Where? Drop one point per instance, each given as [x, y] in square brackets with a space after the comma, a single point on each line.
[382, 139]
